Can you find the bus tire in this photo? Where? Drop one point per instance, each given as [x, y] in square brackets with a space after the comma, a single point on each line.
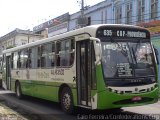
[18, 90]
[66, 100]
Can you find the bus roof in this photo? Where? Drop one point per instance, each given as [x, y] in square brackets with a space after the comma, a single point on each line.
[91, 30]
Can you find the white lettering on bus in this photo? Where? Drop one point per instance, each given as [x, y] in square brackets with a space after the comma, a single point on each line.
[136, 34]
[107, 32]
[124, 33]
[121, 33]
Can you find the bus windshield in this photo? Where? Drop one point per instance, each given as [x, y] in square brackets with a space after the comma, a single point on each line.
[127, 59]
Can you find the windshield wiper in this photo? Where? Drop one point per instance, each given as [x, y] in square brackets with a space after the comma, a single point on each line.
[138, 44]
[134, 56]
[133, 51]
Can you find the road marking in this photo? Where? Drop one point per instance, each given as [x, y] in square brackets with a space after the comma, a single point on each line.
[147, 109]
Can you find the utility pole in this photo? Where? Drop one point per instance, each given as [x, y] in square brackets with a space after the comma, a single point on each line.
[82, 19]
[82, 8]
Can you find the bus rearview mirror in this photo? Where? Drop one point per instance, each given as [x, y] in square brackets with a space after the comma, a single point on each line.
[156, 54]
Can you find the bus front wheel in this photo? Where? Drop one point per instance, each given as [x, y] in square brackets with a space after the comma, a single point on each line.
[18, 90]
[67, 100]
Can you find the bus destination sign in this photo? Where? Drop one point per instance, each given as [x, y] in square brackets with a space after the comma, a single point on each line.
[123, 33]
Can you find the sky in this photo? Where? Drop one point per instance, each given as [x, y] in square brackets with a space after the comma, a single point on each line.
[26, 14]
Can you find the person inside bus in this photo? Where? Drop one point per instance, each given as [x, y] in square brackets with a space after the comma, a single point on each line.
[142, 55]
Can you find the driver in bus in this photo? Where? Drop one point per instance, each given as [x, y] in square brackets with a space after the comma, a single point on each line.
[141, 54]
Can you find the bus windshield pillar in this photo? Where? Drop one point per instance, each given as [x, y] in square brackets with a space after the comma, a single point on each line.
[98, 50]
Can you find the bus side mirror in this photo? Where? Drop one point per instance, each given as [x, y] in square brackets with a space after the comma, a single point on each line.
[98, 49]
[156, 54]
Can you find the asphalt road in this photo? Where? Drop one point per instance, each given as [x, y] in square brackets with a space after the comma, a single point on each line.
[38, 109]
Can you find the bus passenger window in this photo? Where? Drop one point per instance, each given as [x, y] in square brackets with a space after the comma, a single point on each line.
[49, 55]
[12, 61]
[39, 57]
[72, 51]
[23, 58]
[15, 60]
[58, 60]
[58, 48]
[43, 56]
[34, 57]
[29, 62]
[65, 53]
[71, 59]
[53, 55]
[19, 60]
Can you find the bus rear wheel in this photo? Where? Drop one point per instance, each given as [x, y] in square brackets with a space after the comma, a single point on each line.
[18, 90]
[66, 100]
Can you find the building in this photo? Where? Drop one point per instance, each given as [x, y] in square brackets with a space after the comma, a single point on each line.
[100, 13]
[17, 37]
[54, 26]
[145, 13]
[133, 12]
[97, 14]
[50, 28]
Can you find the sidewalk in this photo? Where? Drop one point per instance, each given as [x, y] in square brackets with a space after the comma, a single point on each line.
[8, 114]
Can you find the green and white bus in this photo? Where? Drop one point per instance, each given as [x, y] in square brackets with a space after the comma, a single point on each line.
[1, 58]
[96, 67]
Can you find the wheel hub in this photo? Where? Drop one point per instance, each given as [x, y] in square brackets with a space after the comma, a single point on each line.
[66, 100]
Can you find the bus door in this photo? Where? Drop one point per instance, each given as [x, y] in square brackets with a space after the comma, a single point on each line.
[8, 72]
[83, 59]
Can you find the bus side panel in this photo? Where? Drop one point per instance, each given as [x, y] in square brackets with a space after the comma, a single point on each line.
[43, 83]
[99, 76]
[39, 89]
[75, 96]
[13, 84]
[45, 90]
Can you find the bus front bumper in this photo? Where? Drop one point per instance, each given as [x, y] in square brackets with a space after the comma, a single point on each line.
[109, 100]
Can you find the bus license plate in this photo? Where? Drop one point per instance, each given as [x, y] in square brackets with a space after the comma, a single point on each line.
[136, 98]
